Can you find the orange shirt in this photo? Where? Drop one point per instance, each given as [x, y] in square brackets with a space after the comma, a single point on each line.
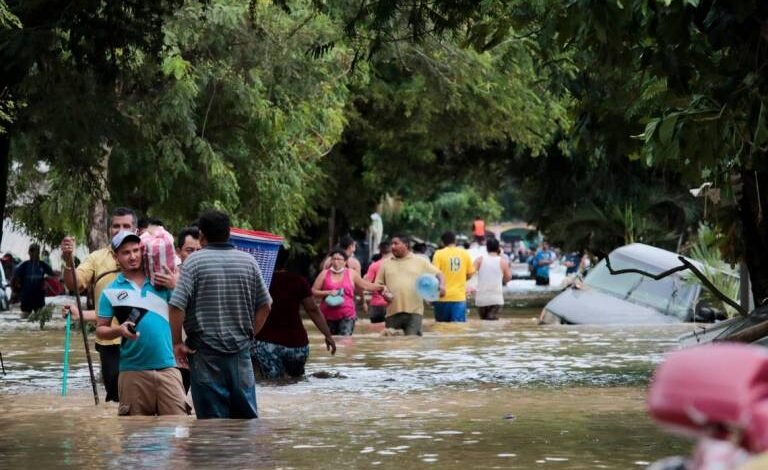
[478, 228]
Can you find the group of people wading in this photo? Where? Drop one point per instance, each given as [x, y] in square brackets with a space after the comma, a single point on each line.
[210, 324]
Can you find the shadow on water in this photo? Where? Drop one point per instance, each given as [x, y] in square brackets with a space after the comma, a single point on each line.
[505, 394]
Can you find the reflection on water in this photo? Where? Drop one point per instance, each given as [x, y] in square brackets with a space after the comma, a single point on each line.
[506, 394]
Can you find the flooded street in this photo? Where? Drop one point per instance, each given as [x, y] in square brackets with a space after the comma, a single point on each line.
[506, 394]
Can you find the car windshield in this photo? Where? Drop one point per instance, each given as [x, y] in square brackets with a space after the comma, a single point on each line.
[672, 295]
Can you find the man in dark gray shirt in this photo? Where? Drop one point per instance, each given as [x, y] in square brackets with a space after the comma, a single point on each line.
[222, 301]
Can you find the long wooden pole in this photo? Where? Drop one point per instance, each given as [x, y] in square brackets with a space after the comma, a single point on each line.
[82, 329]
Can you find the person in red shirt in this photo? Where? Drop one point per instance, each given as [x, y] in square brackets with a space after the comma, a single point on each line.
[378, 309]
[281, 348]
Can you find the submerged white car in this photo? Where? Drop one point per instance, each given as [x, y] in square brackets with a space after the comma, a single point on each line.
[631, 298]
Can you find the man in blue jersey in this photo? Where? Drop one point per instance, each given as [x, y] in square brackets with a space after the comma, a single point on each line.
[149, 382]
[541, 263]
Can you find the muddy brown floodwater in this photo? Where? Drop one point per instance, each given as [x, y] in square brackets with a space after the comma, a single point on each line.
[506, 394]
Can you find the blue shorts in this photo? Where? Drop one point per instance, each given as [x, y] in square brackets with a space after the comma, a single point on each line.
[450, 311]
[276, 361]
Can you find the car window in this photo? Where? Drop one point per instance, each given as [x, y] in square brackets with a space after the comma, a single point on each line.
[672, 295]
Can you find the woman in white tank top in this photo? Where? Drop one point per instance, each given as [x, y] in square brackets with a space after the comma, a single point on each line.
[492, 273]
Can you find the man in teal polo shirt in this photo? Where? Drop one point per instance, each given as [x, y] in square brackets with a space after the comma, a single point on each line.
[149, 383]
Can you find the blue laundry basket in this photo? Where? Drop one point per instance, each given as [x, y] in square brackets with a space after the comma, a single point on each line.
[262, 245]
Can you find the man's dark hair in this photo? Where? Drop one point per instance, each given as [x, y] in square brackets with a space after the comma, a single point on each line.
[403, 238]
[492, 245]
[282, 257]
[338, 251]
[448, 238]
[375, 257]
[215, 226]
[193, 232]
[385, 248]
[121, 211]
[155, 221]
[34, 247]
[346, 241]
[420, 248]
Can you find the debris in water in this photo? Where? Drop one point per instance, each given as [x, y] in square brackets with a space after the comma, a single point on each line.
[324, 374]
[510, 417]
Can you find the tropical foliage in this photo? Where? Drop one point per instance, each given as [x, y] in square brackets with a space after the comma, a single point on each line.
[705, 249]
[597, 117]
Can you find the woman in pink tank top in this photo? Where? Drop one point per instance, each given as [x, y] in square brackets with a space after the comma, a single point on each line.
[336, 287]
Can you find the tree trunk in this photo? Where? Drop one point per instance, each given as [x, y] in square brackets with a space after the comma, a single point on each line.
[5, 165]
[754, 216]
[98, 230]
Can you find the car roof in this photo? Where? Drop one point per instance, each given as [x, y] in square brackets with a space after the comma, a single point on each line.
[653, 256]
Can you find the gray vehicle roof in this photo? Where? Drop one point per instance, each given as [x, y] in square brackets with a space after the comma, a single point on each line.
[648, 255]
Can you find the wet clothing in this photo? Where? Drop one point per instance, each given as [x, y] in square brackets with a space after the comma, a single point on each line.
[97, 271]
[377, 300]
[450, 311]
[399, 275]
[30, 277]
[378, 309]
[185, 379]
[490, 312]
[282, 346]
[346, 309]
[490, 282]
[152, 392]
[542, 270]
[341, 327]
[147, 307]
[410, 323]
[109, 357]
[220, 290]
[284, 325]
[377, 313]
[575, 260]
[223, 384]
[275, 361]
[149, 383]
[456, 265]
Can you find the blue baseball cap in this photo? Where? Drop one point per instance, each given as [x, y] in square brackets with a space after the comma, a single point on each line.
[122, 237]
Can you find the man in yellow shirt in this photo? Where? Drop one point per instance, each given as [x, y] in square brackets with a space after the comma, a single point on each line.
[456, 265]
[399, 274]
[97, 271]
